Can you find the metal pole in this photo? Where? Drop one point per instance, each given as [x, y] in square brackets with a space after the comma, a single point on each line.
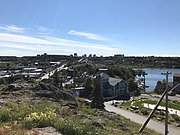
[166, 119]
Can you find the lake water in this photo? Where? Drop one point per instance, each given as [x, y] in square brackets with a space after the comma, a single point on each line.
[154, 75]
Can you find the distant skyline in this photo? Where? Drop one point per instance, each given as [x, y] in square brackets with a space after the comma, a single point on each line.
[101, 27]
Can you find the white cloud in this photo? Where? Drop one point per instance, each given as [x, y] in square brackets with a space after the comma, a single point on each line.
[16, 52]
[87, 35]
[44, 31]
[12, 28]
[13, 37]
[53, 45]
[50, 41]
[18, 46]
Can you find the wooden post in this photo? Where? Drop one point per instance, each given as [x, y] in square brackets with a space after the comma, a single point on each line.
[144, 74]
[152, 112]
[166, 120]
[166, 105]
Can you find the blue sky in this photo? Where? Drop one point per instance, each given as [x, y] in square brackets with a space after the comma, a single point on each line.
[102, 27]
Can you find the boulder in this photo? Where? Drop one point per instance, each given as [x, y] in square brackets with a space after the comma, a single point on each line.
[45, 93]
[50, 91]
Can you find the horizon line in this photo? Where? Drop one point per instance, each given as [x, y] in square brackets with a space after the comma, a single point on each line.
[87, 55]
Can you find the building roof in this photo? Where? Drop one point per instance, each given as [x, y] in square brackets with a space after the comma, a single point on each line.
[114, 81]
[3, 73]
[28, 69]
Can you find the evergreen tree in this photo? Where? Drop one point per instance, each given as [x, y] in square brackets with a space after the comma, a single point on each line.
[132, 86]
[160, 87]
[97, 101]
[89, 86]
[56, 78]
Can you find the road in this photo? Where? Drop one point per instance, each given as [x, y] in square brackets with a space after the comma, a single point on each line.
[155, 125]
[176, 97]
[47, 75]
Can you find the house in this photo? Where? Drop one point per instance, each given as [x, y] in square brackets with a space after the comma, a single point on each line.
[3, 73]
[15, 69]
[112, 87]
[28, 70]
[52, 63]
[31, 72]
[70, 72]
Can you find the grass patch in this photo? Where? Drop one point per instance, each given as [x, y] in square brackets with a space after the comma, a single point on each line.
[125, 105]
[87, 110]
[140, 103]
[20, 118]
[137, 106]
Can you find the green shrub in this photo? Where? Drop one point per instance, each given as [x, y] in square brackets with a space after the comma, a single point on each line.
[86, 110]
[4, 115]
[160, 118]
[136, 111]
[176, 118]
[175, 101]
[75, 127]
[42, 106]
[162, 113]
[65, 112]
[18, 112]
[144, 111]
[40, 119]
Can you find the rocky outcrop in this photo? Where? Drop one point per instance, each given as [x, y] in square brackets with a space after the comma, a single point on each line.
[41, 90]
[111, 116]
[50, 91]
[12, 87]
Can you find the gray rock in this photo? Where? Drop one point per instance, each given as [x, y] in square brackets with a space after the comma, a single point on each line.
[97, 124]
[47, 131]
[45, 93]
[10, 88]
[111, 116]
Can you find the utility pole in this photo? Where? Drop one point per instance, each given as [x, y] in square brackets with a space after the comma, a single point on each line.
[152, 112]
[166, 119]
[144, 74]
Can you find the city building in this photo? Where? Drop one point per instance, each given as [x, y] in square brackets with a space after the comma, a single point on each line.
[112, 87]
